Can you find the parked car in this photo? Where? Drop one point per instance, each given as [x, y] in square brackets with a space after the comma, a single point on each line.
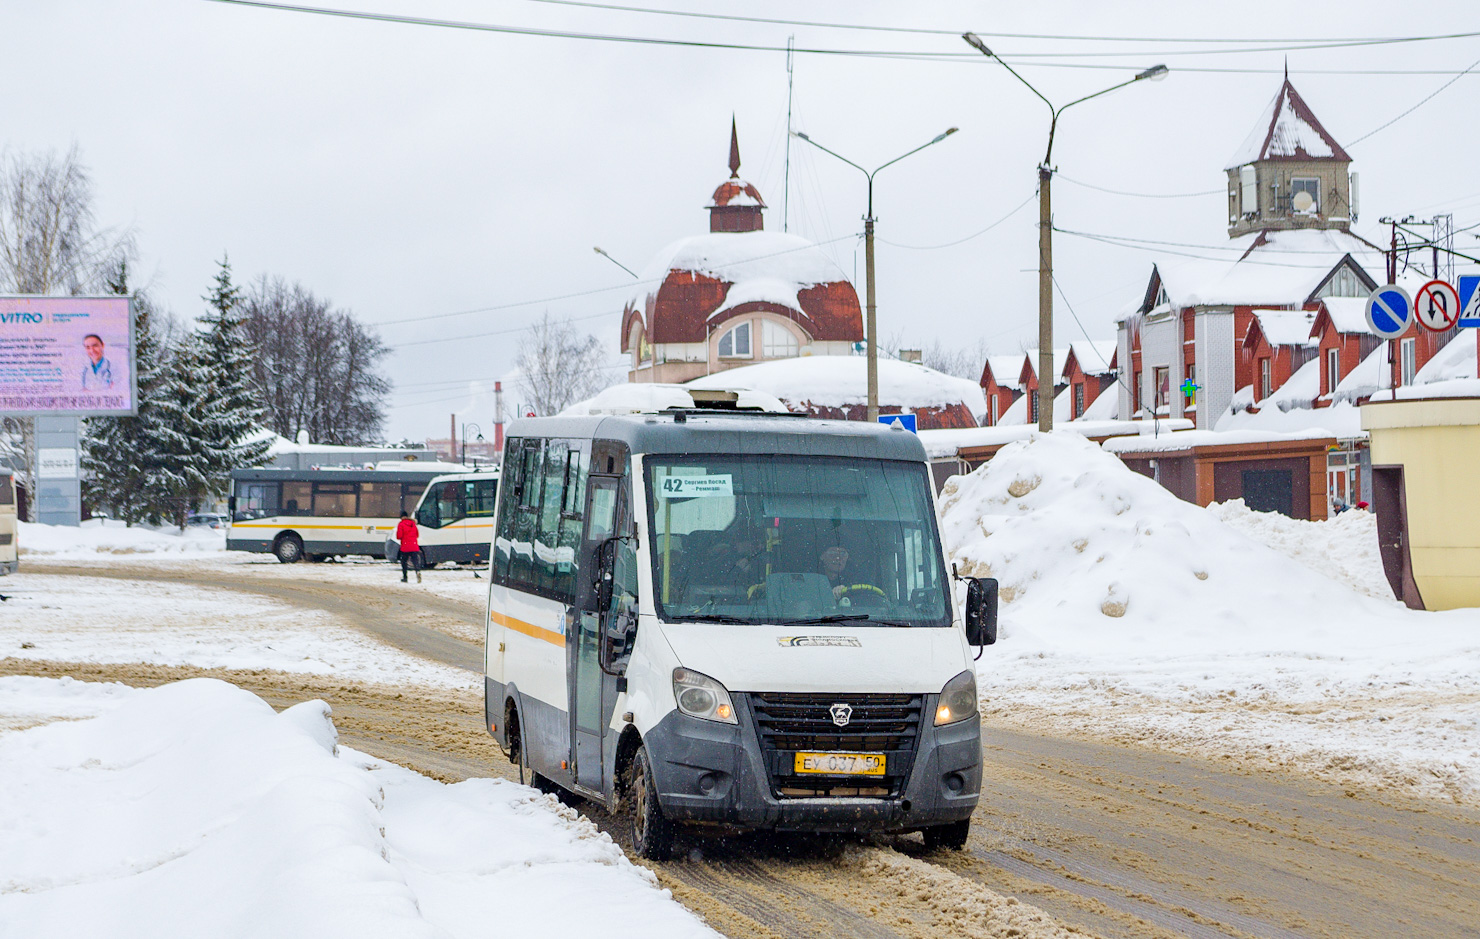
[206, 520]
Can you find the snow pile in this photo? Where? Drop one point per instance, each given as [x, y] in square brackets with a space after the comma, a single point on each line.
[1131, 614]
[1344, 548]
[195, 810]
[97, 537]
[839, 381]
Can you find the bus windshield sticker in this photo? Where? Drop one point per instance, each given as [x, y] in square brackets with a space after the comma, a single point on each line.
[696, 487]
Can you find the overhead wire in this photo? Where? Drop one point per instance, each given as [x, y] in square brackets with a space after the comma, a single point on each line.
[951, 244]
[1141, 195]
[1422, 101]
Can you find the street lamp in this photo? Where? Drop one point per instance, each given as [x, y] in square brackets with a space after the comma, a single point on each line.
[1045, 226]
[624, 267]
[870, 324]
[465, 439]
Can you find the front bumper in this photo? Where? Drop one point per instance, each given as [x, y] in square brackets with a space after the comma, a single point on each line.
[717, 773]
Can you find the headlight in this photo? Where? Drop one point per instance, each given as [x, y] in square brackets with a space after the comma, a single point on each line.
[703, 697]
[957, 699]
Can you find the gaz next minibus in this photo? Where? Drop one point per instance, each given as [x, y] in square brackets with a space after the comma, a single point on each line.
[737, 620]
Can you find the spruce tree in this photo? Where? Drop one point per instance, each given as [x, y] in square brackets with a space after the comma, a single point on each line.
[125, 461]
[226, 406]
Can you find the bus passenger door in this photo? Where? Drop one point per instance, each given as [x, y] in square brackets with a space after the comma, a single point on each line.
[586, 717]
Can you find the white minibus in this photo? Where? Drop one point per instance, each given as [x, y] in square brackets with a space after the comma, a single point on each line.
[733, 620]
[455, 516]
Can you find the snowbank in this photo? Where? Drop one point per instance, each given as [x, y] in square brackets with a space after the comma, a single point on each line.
[1343, 548]
[1127, 612]
[103, 537]
[195, 810]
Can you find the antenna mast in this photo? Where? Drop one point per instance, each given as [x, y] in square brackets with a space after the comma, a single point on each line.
[786, 179]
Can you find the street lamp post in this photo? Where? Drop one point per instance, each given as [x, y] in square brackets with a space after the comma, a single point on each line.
[465, 439]
[1045, 226]
[870, 317]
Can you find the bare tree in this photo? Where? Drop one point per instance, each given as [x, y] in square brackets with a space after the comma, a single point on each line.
[963, 361]
[49, 244]
[558, 366]
[316, 367]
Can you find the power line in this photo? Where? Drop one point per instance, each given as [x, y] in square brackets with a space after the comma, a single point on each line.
[902, 54]
[1425, 100]
[958, 241]
[1141, 195]
[586, 4]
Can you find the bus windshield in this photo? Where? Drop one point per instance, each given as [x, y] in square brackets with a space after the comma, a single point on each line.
[790, 540]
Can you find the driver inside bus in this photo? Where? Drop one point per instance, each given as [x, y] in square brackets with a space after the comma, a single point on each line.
[834, 565]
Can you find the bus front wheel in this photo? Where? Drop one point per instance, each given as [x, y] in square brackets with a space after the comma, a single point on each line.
[950, 837]
[288, 549]
[652, 834]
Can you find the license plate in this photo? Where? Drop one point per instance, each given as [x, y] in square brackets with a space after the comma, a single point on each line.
[841, 764]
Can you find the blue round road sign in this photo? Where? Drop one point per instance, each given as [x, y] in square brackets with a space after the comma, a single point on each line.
[1389, 311]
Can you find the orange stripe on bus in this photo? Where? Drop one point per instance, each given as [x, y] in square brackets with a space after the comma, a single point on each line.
[528, 629]
[309, 527]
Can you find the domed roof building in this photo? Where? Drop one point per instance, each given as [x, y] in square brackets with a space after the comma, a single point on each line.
[737, 296]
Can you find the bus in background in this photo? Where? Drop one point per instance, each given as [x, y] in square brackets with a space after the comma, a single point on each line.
[455, 515]
[322, 513]
[9, 524]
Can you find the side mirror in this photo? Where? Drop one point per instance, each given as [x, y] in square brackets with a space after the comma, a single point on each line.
[981, 611]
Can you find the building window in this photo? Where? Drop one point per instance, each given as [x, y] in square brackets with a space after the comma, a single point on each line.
[1265, 379]
[1343, 283]
[1162, 378]
[1033, 406]
[735, 344]
[1300, 189]
[1136, 392]
[1079, 400]
[1408, 353]
[779, 342]
[1333, 370]
[992, 416]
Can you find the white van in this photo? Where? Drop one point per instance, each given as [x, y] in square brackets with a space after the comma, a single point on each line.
[455, 516]
[733, 619]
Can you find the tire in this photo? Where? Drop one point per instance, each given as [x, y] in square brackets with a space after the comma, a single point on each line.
[289, 549]
[950, 837]
[652, 834]
[544, 784]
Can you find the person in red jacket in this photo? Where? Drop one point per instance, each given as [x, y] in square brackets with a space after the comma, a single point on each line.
[410, 542]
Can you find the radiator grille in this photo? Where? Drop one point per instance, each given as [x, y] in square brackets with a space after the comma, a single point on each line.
[877, 723]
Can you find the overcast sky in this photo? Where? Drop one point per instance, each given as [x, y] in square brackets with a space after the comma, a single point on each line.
[409, 172]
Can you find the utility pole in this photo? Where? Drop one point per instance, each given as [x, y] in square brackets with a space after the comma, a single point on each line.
[1046, 377]
[1045, 299]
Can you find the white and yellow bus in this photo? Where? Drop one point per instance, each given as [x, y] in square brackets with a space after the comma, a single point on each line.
[322, 513]
[9, 524]
[736, 621]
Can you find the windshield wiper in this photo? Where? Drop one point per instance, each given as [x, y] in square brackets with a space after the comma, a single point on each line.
[829, 618]
[713, 618]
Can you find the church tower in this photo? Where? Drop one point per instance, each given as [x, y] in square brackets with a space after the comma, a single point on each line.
[737, 205]
[1290, 173]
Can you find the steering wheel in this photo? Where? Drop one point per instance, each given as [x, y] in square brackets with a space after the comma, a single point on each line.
[868, 594]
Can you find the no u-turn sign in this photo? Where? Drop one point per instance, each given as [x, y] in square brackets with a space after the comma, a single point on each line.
[1436, 305]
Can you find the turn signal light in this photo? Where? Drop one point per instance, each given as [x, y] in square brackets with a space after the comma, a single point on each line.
[723, 712]
[942, 715]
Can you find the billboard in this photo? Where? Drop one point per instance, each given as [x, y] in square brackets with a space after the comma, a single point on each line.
[66, 355]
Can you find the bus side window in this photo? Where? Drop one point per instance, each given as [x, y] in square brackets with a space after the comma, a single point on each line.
[572, 512]
[481, 497]
[527, 507]
[380, 500]
[508, 511]
[552, 567]
[450, 505]
[297, 498]
[334, 500]
[410, 495]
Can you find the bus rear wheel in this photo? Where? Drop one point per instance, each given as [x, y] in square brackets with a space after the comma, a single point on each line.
[288, 549]
[652, 834]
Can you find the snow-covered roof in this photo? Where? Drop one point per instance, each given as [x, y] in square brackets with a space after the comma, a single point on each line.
[1348, 314]
[1274, 268]
[1286, 327]
[1370, 375]
[1105, 407]
[1287, 129]
[842, 381]
[1342, 420]
[947, 443]
[1060, 357]
[1094, 356]
[644, 397]
[1456, 360]
[763, 265]
[1006, 369]
[1186, 439]
[1299, 390]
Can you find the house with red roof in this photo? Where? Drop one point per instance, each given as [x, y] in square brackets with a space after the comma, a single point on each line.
[1001, 385]
[1278, 344]
[1343, 340]
[1090, 371]
[739, 295]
